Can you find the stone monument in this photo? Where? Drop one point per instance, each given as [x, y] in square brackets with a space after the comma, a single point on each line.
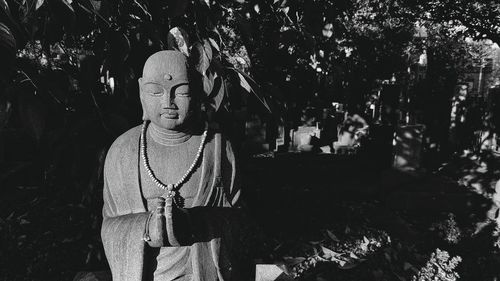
[171, 186]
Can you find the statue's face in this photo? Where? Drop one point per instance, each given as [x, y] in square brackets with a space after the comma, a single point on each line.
[165, 96]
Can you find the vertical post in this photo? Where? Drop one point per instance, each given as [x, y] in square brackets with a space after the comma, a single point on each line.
[480, 77]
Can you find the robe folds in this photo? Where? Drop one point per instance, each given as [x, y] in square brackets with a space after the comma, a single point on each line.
[213, 213]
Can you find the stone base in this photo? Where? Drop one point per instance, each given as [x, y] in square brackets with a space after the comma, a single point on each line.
[270, 272]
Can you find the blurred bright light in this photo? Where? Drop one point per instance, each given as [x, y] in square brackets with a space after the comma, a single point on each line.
[422, 60]
[256, 8]
[328, 30]
[111, 82]
[348, 52]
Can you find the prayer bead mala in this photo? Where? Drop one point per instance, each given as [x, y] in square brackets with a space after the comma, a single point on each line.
[172, 188]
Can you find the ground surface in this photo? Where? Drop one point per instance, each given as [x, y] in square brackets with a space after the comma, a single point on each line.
[321, 217]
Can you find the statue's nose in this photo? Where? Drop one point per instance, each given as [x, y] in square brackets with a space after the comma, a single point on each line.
[167, 100]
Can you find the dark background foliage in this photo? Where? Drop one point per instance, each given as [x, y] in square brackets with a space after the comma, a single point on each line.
[68, 88]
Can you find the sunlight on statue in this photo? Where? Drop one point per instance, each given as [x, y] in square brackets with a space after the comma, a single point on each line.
[164, 87]
[170, 186]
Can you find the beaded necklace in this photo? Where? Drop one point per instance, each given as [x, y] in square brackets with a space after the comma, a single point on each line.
[171, 188]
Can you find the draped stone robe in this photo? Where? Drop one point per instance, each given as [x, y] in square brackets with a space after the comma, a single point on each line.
[211, 213]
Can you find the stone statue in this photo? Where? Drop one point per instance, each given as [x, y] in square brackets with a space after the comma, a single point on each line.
[170, 186]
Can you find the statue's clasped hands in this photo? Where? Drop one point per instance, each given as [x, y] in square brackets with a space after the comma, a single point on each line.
[164, 222]
[154, 232]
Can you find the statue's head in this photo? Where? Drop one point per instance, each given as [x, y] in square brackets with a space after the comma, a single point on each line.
[164, 90]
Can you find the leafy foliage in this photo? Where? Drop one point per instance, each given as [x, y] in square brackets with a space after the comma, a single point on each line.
[439, 267]
[479, 17]
[68, 87]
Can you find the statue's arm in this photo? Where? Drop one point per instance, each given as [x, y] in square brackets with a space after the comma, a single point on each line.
[231, 175]
[121, 237]
[119, 227]
[124, 214]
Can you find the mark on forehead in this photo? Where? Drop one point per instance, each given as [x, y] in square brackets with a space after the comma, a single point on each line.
[167, 77]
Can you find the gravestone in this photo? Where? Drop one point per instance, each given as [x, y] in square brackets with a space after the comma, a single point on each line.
[389, 102]
[408, 147]
[302, 138]
[256, 137]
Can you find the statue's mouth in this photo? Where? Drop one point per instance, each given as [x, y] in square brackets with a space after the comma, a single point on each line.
[170, 115]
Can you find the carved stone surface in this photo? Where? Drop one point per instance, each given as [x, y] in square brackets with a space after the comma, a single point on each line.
[270, 272]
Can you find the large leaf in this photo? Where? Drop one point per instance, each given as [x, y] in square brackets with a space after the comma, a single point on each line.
[214, 44]
[244, 83]
[330, 255]
[218, 93]
[7, 20]
[201, 54]
[208, 82]
[250, 86]
[38, 4]
[4, 6]
[28, 8]
[178, 40]
[7, 49]
[332, 236]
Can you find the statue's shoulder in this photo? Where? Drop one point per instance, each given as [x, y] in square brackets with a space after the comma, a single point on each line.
[226, 145]
[216, 132]
[126, 142]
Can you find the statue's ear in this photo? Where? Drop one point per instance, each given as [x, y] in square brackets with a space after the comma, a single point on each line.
[144, 114]
[140, 82]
